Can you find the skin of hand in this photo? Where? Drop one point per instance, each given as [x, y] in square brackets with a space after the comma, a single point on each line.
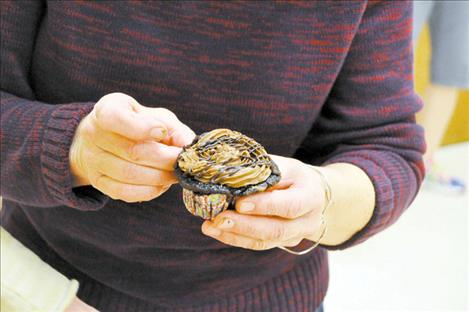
[291, 211]
[79, 306]
[126, 150]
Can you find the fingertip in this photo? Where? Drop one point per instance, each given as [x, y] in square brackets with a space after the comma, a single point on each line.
[205, 224]
[209, 229]
[190, 136]
[163, 189]
[131, 124]
[181, 138]
[157, 155]
[172, 177]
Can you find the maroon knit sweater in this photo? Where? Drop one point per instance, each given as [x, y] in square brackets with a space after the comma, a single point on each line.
[323, 82]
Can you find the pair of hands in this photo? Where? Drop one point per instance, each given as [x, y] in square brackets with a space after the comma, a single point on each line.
[127, 151]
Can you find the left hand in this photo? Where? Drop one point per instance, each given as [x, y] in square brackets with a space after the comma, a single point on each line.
[283, 215]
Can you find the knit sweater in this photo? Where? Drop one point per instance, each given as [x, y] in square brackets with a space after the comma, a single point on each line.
[323, 82]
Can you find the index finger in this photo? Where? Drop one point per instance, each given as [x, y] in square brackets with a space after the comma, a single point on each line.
[179, 134]
[120, 113]
[148, 153]
[288, 203]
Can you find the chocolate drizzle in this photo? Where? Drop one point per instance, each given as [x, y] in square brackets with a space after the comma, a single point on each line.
[226, 157]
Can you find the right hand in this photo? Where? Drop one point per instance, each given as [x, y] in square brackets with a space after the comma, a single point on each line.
[126, 150]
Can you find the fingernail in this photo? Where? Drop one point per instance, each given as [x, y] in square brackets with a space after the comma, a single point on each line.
[158, 133]
[226, 224]
[212, 231]
[246, 206]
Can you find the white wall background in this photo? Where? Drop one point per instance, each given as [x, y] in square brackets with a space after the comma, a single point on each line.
[418, 264]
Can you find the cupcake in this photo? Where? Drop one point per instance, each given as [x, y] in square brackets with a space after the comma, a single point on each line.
[220, 165]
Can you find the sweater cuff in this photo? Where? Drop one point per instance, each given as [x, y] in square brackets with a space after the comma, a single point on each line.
[55, 162]
[395, 185]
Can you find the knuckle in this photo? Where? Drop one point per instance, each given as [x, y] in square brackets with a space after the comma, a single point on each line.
[270, 207]
[165, 111]
[98, 112]
[277, 232]
[112, 115]
[295, 162]
[133, 152]
[251, 230]
[294, 165]
[294, 210]
[106, 113]
[100, 108]
[258, 245]
[118, 95]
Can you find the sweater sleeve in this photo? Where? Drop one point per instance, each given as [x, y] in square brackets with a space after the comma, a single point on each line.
[35, 136]
[368, 119]
[28, 283]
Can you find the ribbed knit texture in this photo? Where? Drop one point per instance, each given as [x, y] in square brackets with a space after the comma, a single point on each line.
[321, 81]
[59, 132]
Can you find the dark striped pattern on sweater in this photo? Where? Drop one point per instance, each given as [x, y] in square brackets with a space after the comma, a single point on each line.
[320, 81]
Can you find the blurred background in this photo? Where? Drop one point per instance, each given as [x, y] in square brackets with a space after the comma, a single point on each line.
[458, 126]
[421, 262]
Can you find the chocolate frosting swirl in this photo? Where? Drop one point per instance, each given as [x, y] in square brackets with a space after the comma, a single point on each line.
[226, 157]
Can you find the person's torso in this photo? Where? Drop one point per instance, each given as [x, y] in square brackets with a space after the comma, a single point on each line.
[262, 68]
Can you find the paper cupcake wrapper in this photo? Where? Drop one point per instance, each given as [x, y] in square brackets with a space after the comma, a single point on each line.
[206, 206]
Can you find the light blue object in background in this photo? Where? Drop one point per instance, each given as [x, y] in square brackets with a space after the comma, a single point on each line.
[449, 31]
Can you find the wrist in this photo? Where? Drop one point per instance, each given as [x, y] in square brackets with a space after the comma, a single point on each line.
[76, 167]
[320, 176]
[352, 201]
